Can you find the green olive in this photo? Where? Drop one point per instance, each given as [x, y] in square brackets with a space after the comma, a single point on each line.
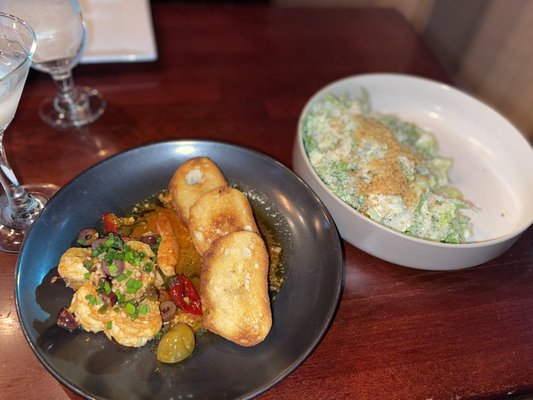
[176, 345]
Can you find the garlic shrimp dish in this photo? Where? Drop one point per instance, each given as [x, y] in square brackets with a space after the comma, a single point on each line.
[144, 278]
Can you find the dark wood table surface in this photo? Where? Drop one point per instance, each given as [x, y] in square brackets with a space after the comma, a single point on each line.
[242, 74]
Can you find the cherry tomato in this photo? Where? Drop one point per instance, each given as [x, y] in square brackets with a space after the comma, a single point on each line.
[184, 295]
[111, 222]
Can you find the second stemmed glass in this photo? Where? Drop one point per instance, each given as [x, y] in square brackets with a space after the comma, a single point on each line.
[60, 33]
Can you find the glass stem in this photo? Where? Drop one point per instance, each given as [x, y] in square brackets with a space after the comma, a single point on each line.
[67, 98]
[21, 208]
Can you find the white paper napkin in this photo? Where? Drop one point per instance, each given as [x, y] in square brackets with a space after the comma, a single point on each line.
[118, 31]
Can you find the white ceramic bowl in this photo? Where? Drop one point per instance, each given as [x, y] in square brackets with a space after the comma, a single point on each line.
[492, 166]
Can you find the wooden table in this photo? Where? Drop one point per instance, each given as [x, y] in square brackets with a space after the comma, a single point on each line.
[242, 75]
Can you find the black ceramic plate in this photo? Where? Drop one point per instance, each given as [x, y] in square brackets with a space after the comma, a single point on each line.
[92, 366]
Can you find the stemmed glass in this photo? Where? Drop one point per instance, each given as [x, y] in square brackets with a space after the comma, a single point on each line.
[60, 32]
[20, 206]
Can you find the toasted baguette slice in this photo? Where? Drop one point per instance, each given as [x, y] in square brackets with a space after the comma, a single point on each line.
[191, 180]
[234, 288]
[217, 213]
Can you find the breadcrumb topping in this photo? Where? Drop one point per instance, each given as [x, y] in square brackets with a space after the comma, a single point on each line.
[387, 175]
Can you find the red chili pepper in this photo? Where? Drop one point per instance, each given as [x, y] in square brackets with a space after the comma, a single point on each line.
[111, 222]
[184, 295]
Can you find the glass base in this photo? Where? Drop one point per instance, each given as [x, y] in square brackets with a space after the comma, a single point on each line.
[11, 237]
[89, 108]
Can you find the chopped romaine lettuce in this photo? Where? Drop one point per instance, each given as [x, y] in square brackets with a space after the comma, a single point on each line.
[386, 168]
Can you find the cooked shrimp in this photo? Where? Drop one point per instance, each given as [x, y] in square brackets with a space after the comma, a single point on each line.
[168, 254]
[138, 275]
[142, 247]
[71, 266]
[135, 332]
[87, 308]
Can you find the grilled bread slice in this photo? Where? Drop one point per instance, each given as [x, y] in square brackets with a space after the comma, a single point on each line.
[191, 180]
[217, 213]
[234, 288]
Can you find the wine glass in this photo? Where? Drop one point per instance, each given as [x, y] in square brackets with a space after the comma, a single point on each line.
[61, 38]
[20, 205]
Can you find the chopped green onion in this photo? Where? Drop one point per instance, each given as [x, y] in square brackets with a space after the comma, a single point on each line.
[148, 267]
[131, 310]
[113, 269]
[128, 256]
[121, 297]
[155, 246]
[133, 285]
[143, 309]
[92, 300]
[110, 240]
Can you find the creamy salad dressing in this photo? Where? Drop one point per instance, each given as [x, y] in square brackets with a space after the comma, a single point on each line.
[387, 169]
